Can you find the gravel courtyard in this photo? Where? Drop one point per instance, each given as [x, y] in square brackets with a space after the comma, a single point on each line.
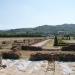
[25, 67]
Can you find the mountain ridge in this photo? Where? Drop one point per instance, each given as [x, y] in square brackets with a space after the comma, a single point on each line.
[44, 29]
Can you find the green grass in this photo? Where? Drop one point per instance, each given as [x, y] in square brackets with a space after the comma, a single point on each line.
[61, 42]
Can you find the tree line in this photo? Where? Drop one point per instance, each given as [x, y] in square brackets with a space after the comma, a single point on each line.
[21, 35]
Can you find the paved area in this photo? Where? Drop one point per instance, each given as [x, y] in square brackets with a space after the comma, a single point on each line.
[47, 44]
[40, 44]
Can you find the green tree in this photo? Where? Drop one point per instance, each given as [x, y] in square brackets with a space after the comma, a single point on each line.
[55, 41]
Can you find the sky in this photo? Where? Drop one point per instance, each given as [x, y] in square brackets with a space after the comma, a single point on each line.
[32, 13]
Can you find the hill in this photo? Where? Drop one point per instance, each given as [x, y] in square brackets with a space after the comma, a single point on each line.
[44, 30]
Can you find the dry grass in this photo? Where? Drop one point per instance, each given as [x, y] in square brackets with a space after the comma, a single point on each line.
[26, 54]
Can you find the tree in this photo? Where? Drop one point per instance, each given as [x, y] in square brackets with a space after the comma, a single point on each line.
[55, 41]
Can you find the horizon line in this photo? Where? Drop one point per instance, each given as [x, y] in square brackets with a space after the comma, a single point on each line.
[37, 26]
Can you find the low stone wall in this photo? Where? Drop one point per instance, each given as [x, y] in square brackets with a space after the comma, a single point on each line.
[69, 48]
[11, 55]
[52, 57]
[31, 48]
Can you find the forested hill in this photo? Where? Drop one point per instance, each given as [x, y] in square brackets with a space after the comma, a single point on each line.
[40, 30]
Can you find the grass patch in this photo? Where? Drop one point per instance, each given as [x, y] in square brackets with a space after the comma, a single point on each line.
[61, 43]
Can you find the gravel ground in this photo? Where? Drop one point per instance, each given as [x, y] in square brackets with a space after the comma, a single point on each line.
[25, 67]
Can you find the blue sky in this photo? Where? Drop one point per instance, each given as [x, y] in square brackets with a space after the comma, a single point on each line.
[32, 13]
